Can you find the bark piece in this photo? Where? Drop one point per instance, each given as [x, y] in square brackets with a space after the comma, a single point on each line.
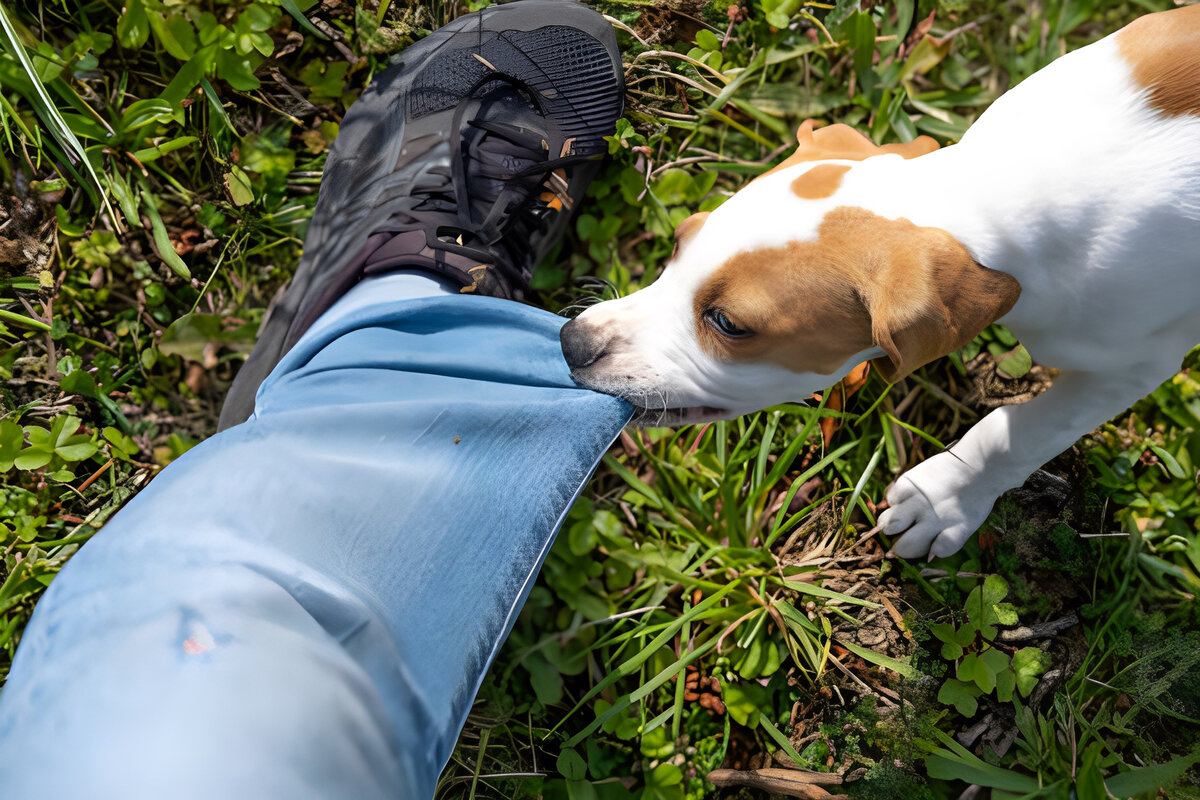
[786, 782]
[1043, 630]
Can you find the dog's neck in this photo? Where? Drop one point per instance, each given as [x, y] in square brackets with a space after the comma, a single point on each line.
[1013, 213]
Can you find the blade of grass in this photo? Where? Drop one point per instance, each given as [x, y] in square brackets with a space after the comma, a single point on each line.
[816, 590]
[899, 667]
[799, 481]
[958, 763]
[48, 112]
[748, 425]
[638, 485]
[632, 664]
[162, 242]
[871, 408]
[737, 126]
[792, 614]
[862, 482]
[789, 455]
[828, 630]
[643, 691]
[779, 738]
[659, 720]
[298, 15]
[1141, 780]
[754, 66]
[916, 430]
[764, 448]
[680, 682]
[9, 629]
[27, 322]
[483, 740]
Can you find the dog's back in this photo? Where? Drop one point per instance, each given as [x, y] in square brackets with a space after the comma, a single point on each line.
[1094, 178]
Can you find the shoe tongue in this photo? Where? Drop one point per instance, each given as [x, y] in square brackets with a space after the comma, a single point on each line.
[508, 138]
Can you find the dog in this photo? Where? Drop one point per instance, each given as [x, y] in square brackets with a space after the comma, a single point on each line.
[1070, 211]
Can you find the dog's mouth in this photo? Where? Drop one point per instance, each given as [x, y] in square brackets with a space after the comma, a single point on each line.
[660, 415]
[644, 417]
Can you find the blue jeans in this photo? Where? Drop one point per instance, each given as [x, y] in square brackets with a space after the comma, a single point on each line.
[304, 605]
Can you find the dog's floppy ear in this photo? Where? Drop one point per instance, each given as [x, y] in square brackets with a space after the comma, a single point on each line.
[931, 298]
[688, 228]
[843, 142]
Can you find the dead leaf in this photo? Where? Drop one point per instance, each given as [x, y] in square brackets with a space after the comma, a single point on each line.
[840, 394]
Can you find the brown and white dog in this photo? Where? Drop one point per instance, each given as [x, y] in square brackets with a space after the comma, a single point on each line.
[1070, 211]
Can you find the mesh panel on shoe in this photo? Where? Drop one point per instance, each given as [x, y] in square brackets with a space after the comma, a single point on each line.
[570, 64]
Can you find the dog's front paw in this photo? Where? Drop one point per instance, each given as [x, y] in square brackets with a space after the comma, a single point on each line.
[935, 507]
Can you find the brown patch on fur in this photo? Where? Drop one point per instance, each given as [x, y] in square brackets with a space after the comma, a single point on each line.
[866, 280]
[820, 181]
[1164, 51]
[843, 142]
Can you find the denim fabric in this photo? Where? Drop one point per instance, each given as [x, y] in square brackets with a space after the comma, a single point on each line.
[304, 605]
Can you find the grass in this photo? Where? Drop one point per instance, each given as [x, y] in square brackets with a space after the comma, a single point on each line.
[715, 600]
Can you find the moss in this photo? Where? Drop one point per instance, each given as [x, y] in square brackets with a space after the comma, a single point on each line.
[1066, 552]
[719, 9]
[1007, 560]
[926, 658]
[888, 782]
[1160, 679]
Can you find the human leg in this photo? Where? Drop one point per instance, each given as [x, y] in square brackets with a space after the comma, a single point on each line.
[309, 600]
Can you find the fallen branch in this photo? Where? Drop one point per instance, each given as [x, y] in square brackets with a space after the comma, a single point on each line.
[787, 782]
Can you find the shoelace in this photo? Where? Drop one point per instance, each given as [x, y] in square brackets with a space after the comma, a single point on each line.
[445, 209]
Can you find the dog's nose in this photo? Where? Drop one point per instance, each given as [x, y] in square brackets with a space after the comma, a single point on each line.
[582, 344]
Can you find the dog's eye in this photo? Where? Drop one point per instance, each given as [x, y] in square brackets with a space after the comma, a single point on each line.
[724, 326]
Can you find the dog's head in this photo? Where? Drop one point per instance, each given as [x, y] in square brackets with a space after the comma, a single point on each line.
[782, 290]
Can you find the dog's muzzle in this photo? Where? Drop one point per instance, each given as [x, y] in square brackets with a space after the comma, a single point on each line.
[582, 344]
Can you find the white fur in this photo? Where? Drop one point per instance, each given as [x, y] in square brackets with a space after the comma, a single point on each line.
[1070, 183]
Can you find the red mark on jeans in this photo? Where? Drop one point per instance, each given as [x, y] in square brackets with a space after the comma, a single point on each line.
[200, 640]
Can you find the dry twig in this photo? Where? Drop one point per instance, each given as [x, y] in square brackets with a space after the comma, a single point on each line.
[786, 782]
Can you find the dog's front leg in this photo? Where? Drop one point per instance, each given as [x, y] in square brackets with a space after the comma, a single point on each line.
[939, 503]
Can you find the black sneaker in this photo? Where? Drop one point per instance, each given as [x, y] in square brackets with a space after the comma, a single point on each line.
[465, 158]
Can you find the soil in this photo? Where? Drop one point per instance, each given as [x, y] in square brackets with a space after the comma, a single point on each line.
[993, 388]
[26, 233]
[671, 21]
